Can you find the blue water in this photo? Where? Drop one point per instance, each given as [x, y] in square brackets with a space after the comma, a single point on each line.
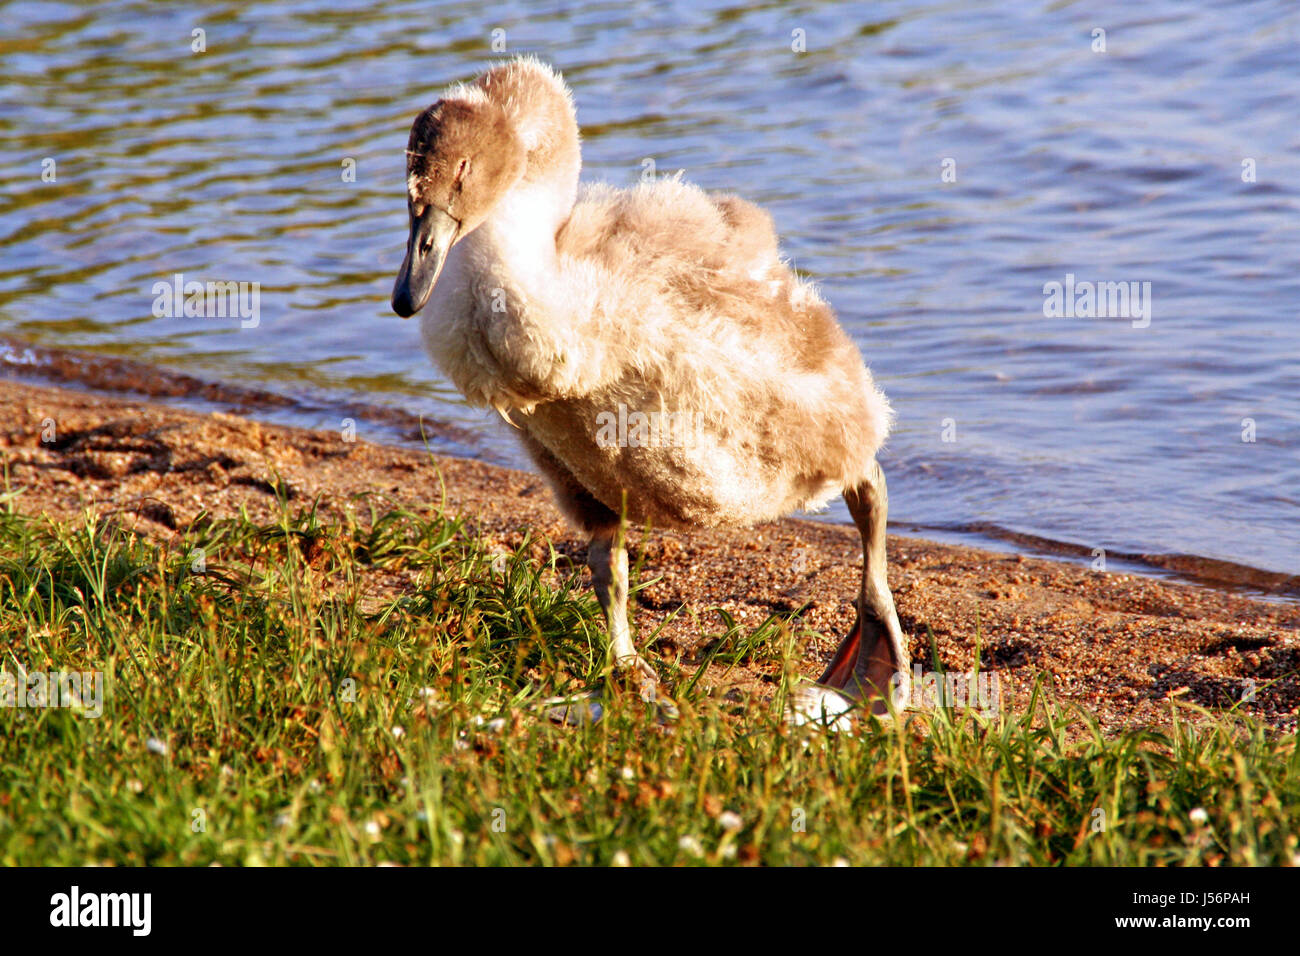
[1123, 165]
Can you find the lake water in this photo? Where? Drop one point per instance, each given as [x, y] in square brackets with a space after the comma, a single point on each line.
[932, 165]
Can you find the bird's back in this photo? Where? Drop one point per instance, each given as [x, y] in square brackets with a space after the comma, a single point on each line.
[687, 263]
[666, 222]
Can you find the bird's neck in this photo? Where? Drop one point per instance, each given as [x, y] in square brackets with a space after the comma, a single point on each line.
[517, 241]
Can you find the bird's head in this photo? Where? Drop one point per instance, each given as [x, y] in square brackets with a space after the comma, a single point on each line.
[515, 123]
[463, 156]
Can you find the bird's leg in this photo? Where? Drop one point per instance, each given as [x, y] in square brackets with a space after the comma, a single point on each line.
[607, 558]
[872, 661]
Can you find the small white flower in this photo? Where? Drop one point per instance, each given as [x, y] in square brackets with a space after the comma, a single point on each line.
[839, 861]
[156, 746]
[729, 851]
[621, 859]
[731, 822]
[1198, 816]
[627, 773]
[282, 819]
[398, 731]
[373, 829]
[689, 844]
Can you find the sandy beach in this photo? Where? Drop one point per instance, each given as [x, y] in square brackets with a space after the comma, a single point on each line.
[1121, 645]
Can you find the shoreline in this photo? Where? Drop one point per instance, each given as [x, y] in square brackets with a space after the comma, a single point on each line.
[1121, 645]
[40, 365]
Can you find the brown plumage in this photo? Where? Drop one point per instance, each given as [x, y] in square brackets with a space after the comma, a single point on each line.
[652, 348]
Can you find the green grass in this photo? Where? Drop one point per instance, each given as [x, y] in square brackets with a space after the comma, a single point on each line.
[264, 705]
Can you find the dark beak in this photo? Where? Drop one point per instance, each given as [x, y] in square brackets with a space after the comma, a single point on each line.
[432, 235]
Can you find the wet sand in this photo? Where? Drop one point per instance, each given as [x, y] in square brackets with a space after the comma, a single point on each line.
[1122, 645]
